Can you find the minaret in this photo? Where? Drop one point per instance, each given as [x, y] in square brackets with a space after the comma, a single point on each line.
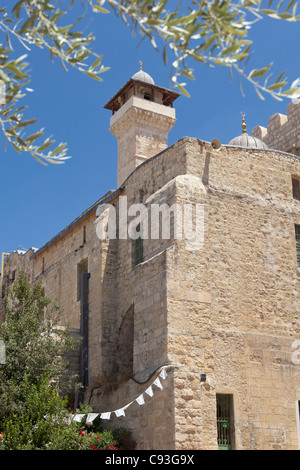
[142, 117]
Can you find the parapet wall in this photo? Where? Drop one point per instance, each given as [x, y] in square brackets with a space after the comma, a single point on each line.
[283, 131]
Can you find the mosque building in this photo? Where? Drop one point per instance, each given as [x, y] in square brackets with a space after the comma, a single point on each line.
[190, 325]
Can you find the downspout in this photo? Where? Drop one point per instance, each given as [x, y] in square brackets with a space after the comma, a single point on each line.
[84, 333]
[2, 270]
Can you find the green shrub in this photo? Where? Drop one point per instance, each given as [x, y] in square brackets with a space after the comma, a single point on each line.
[33, 414]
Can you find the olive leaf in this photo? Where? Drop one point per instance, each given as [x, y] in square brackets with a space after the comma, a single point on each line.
[210, 32]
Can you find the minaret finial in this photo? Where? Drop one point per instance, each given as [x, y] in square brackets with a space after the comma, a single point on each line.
[141, 64]
[243, 123]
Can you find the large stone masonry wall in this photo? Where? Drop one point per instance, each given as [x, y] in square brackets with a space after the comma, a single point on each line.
[229, 310]
[283, 131]
[142, 290]
[233, 307]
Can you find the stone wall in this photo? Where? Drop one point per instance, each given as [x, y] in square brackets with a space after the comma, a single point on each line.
[229, 310]
[235, 304]
[141, 128]
[283, 131]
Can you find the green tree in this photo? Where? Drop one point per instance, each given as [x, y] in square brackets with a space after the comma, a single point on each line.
[35, 370]
[212, 32]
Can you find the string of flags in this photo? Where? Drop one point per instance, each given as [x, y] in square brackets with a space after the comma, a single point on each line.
[121, 411]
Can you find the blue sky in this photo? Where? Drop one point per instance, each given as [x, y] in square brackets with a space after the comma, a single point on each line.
[38, 201]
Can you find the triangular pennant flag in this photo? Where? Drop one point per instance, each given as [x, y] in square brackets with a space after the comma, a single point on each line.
[157, 383]
[140, 400]
[68, 419]
[120, 412]
[105, 415]
[149, 391]
[91, 416]
[78, 417]
[163, 374]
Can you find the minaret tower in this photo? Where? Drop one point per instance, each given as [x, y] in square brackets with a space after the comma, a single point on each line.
[142, 117]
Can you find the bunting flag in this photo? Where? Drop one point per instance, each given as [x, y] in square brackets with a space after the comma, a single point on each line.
[105, 415]
[90, 417]
[78, 418]
[149, 391]
[140, 400]
[121, 411]
[157, 383]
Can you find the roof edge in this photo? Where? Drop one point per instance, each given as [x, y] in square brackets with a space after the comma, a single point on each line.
[107, 197]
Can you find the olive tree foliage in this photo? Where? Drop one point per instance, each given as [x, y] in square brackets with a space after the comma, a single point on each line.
[211, 32]
[35, 343]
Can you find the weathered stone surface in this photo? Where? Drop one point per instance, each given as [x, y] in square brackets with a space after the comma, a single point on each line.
[229, 310]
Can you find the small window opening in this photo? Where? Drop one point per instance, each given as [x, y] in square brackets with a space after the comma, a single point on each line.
[82, 268]
[225, 421]
[296, 188]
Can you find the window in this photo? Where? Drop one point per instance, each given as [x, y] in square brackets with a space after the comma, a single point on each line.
[225, 421]
[296, 188]
[82, 268]
[138, 255]
[297, 235]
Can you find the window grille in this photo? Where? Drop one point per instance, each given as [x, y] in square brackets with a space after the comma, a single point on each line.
[224, 421]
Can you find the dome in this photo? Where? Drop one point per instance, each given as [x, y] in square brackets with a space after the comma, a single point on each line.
[248, 141]
[143, 76]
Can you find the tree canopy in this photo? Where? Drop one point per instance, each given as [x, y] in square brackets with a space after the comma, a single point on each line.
[210, 32]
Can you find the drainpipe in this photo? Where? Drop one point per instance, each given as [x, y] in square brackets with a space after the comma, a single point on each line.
[2, 270]
[84, 333]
